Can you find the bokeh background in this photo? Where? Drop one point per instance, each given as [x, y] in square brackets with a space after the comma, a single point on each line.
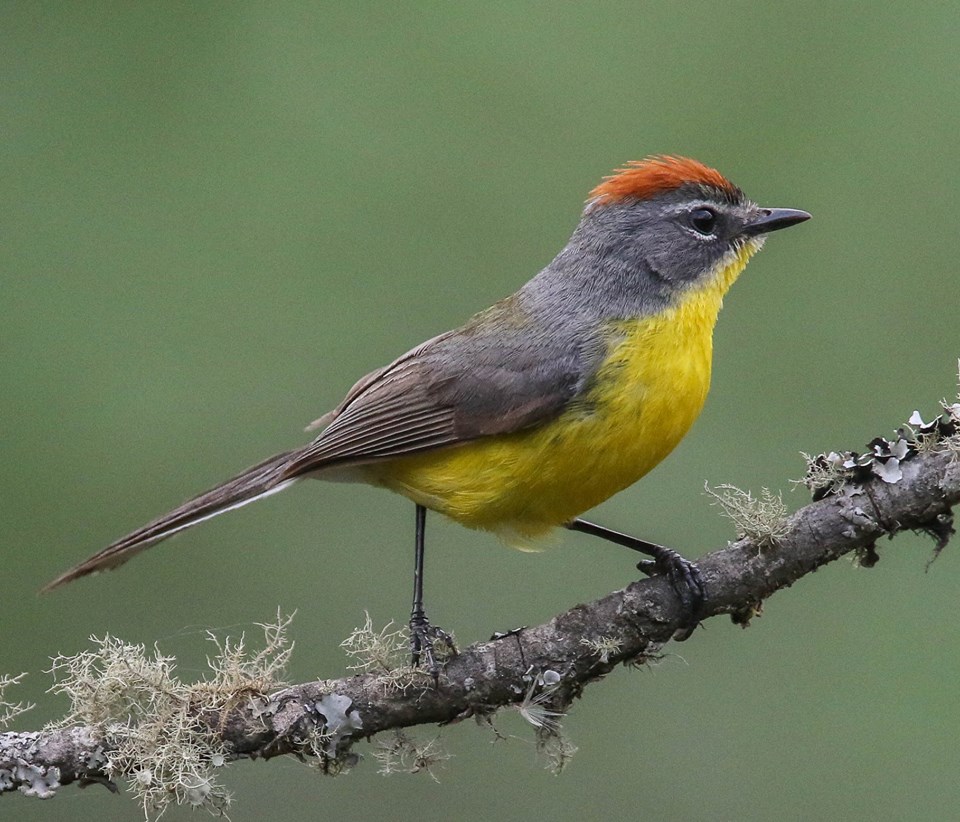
[216, 216]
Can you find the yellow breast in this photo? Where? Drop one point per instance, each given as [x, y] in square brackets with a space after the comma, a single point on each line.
[647, 393]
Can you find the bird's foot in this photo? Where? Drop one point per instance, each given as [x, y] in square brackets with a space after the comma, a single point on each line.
[429, 645]
[687, 581]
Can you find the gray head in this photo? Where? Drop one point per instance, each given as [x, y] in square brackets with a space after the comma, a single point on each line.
[658, 227]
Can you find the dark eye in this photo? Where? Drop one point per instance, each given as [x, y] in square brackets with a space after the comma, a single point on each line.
[703, 220]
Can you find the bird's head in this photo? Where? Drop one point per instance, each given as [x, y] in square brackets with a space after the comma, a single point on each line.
[680, 222]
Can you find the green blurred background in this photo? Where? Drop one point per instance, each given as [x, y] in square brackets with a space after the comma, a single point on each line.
[218, 215]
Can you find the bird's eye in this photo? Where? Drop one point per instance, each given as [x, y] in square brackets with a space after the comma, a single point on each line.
[703, 220]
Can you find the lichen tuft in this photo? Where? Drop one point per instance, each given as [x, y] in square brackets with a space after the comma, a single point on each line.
[762, 519]
[132, 698]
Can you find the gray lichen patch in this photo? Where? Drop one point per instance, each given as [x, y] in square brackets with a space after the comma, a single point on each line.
[842, 472]
[339, 721]
[19, 769]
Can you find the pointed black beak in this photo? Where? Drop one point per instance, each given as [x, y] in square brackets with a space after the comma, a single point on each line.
[773, 219]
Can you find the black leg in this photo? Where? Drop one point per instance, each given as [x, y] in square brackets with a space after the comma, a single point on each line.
[683, 574]
[417, 612]
[422, 633]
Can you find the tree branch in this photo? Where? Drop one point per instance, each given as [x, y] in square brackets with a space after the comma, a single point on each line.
[545, 667]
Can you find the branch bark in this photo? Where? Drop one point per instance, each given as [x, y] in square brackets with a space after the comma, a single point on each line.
[559, 657]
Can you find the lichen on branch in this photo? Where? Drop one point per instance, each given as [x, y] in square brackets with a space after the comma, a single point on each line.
[132, 718]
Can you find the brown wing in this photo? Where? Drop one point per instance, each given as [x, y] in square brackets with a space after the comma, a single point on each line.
[452, 389]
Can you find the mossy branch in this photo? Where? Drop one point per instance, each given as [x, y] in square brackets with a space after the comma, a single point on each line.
[911, 483]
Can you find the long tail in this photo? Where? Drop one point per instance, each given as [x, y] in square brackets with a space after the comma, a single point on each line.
[256, 482]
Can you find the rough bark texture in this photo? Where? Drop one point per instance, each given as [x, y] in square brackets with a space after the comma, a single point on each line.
[499, 672]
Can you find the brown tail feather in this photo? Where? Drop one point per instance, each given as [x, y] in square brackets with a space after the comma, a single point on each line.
[257, 481]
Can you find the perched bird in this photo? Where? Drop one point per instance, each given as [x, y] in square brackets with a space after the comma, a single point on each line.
[550, 401]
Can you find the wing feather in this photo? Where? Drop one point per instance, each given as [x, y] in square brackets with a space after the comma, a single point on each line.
[454, 388]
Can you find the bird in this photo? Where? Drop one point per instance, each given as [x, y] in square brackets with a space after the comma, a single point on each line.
[550, 401]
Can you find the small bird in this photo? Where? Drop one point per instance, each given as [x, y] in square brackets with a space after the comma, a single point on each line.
[548, 402]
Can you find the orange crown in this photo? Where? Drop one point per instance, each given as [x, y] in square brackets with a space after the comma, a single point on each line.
[654, 175]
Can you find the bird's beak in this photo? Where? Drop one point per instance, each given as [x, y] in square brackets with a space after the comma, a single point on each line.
[773, 219]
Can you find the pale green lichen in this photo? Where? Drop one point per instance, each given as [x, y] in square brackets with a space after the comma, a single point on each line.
[762, 519]
[556, 749]
[10, 710]
[951, 444]
[133, 698]
[942, 434]
[825, 472]
[403, 753]
[603, 646]
[385, 654]
[375, 651]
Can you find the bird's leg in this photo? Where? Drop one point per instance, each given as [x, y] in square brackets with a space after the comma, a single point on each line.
[422, 633]
[683, 574]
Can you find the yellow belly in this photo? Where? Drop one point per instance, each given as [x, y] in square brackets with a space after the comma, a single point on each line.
[648, 392]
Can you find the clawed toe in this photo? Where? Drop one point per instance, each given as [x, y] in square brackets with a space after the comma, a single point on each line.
[687, 581]
[425, 640]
